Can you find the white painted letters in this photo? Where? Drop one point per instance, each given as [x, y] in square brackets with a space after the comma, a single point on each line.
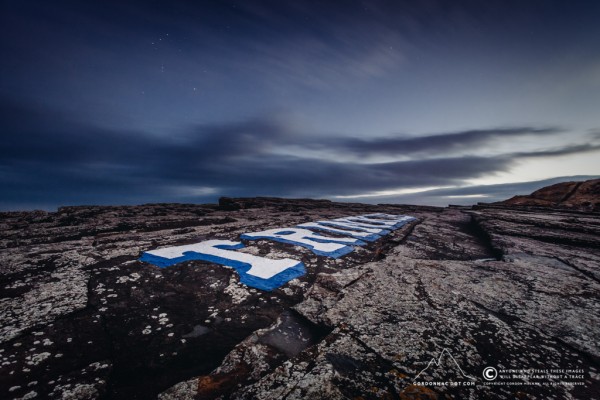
[268, 274]
[221, 252]
[319, 244]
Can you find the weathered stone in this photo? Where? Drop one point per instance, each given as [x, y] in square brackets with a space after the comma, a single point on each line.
[442, 298]
[572, 195]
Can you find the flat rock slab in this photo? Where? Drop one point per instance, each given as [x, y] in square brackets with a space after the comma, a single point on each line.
[439, 300]
[80, 314]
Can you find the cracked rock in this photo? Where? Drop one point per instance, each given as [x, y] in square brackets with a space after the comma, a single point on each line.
[458, 290]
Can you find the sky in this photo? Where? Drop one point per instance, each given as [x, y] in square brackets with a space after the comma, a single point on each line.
[424, 102]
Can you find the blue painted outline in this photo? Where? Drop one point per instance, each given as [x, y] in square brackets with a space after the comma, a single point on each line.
[241, 268]
[335, 224]
[288, 274]
[398, 224]
[357, 242]
[390, 228]
[364, 224]
[371, 237]
[332, 254]
[369, 221]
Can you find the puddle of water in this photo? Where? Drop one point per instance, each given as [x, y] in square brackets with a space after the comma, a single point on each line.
[198, 330]
[292, 335]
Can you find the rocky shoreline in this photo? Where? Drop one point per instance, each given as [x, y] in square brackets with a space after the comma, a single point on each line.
[494, 286]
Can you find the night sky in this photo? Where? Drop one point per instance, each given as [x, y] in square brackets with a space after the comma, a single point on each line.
[426, 102]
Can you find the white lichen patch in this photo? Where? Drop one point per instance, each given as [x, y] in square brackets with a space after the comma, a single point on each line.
[162, 318]
[98, 366]
[77, 392]
[238, 293]
[100, 288]
[16, 285]
[30, 395]
[298, 283]
[37, 358]
[65, 293]
[129, 278]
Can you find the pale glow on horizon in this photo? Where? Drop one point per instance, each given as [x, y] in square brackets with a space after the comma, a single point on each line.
[394, 192]
[466, 196]
[537, 169]
[192, 190]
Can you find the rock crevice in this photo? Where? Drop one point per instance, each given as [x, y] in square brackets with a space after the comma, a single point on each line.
[467, 287]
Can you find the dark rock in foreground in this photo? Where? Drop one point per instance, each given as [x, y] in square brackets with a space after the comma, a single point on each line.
[439, 300]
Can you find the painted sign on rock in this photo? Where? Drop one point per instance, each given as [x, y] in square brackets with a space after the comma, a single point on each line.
[268, 274]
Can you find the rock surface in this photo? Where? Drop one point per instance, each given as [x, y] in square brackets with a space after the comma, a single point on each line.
[583, 196]
[439, 300]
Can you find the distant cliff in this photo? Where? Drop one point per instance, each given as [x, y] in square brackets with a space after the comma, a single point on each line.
[584, 196]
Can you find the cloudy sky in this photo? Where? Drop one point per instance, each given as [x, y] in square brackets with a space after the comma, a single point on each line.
[431, 102]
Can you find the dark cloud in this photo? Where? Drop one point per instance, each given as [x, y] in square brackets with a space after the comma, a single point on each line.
[434, 144]
[50, 159]
[150, 100]
[562, 151]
